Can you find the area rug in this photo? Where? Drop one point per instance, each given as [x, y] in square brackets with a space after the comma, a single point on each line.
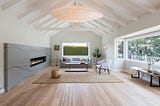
[78, 77]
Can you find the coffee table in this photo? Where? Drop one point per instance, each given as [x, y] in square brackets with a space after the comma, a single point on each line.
[85, 64]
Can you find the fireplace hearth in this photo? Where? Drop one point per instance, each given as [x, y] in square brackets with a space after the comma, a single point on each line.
[37, 60]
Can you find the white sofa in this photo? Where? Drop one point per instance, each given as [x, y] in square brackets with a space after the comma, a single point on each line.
[63, 60]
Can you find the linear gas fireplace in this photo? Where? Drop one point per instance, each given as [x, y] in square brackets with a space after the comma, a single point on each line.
[38, 60]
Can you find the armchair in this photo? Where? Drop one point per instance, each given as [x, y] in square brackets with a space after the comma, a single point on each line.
[105, 65]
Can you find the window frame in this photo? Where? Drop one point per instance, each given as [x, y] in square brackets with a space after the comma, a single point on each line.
[116, 48]
[140, 37]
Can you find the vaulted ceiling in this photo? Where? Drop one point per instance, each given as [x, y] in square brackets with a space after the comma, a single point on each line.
[117, 13]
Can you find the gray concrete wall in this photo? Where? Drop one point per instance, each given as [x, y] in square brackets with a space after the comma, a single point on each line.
[17, 63]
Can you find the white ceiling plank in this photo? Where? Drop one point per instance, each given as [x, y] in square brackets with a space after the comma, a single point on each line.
[140, 5]
[74, 29]
[52, 30]
[57, 24]
[149, 4]
[49, 23]
[109, 14]
[99, 26]
[41, 23]
[95, 28]
[104, 30]
[48, 10]
[100, 32]
[119, 9]
[114, 25]
[36, 5]
[3, 1]
[9, 4]
[91, 5]
[96, 24]
[127, 5]
[103, 23]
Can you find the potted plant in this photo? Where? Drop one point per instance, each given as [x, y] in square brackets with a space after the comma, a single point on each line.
[97, 54]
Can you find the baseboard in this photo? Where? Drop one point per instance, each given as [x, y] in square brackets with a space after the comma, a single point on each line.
[2, 90]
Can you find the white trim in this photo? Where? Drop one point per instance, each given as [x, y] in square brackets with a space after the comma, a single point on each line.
[142, 32]
[157, 33]
[144, 62]
[116, 49]
[2, 90]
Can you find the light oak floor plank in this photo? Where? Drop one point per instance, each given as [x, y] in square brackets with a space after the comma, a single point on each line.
[132, 92]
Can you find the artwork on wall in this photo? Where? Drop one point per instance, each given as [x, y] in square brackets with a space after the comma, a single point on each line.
[56, 47]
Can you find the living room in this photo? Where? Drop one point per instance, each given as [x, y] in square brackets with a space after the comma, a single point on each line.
[32, 42]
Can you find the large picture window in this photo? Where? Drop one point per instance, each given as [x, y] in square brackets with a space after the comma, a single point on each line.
[75, 49]
[144, 48]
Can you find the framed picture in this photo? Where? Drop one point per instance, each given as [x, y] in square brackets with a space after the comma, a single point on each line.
[56, 47]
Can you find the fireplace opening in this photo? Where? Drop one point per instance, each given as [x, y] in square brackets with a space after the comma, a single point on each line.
[37, 60]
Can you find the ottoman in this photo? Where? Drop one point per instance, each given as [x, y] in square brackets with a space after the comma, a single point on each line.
[55, 73]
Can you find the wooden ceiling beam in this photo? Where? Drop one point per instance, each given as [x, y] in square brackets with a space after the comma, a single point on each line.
[57, 24]
[48, 11]
[75, 29]
[103, 23]
[120, 9]
[9, 4]
[46, 20]
[149, 4]
[52, 27]
[98, 8]
[52, 31]
[98, 29]
[34, 6]
[114, 25]
[49, 23]
[99, 26]
[109, 28]
[139, 4]
[101, 33]
[110, 13]
[130, 7]
[107, 13]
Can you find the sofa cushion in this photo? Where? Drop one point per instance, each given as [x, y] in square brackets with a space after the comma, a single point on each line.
[75, 59]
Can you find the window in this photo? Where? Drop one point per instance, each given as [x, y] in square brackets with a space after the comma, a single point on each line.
[75, 49]
[144, 48]
[120, 48]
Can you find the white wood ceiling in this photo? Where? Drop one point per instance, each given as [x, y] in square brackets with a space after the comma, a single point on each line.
[117, 13]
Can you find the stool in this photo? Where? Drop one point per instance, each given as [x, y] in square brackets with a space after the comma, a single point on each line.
[55, 73]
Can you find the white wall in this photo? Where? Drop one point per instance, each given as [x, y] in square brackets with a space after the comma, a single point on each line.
[108, 43]
[13, 30]
[74, 36]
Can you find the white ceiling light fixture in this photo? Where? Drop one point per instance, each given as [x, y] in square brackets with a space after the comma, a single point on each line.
[76, 13]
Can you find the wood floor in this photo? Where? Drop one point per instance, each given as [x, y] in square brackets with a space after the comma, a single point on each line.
[132, 92]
